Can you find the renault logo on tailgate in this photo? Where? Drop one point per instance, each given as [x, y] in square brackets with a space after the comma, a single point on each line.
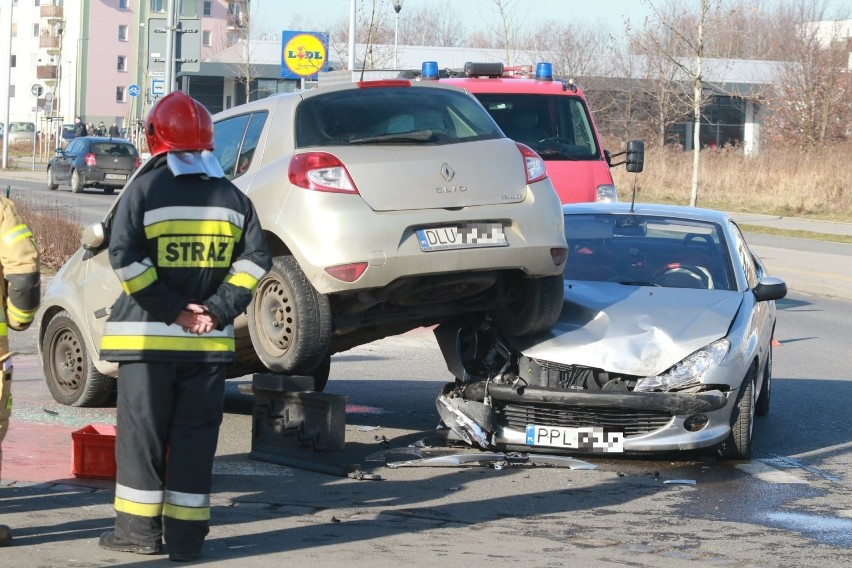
[447, 172]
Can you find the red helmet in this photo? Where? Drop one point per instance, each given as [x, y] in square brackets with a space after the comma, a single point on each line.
[178, 123]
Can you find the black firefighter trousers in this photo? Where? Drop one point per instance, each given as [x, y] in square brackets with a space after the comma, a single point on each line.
[168, 418]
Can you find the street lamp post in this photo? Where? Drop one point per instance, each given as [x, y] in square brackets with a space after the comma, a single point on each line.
[397, 6]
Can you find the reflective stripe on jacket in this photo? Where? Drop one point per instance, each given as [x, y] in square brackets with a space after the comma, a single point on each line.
[176, 240]
[19, 271]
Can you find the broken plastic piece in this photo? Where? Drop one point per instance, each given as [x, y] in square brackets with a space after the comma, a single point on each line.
[679, 482]
[457, 414]
[363, 476]
[484, 457]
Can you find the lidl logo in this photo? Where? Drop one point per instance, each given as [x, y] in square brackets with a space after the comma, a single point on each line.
[304, 55]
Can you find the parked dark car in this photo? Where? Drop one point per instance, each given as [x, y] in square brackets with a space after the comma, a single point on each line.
[93, 161]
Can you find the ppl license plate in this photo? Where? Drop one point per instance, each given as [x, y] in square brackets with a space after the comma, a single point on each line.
[115, 176]
[589, 439]
[469, 235]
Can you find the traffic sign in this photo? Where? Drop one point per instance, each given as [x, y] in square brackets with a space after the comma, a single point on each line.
[37, 90]
[133, 90]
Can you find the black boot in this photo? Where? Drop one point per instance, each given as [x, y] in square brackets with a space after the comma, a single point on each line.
[5, 535]
[111, 541]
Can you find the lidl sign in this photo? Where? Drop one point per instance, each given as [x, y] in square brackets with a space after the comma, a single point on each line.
[303, 54]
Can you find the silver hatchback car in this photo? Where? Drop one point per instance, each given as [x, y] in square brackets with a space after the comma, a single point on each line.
[664, 343]
[387, 206]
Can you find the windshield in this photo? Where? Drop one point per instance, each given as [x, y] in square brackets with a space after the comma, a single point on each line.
[638, 250]
[392, 115]
[557, 127]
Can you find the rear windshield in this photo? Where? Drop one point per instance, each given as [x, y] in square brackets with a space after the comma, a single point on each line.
[392, 115]
[114, 149]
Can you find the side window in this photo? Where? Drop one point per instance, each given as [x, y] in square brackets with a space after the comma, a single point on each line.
[745, 257]
[73, 147]
[252, 136]
[227, 139]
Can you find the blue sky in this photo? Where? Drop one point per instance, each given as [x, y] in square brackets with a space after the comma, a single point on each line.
[276, 15]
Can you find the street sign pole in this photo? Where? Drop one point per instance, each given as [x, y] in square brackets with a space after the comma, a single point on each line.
[37, 90]
[170, 46]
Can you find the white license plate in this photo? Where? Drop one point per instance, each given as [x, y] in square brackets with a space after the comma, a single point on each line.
[115, 176]
[590, 439]
[469, 235]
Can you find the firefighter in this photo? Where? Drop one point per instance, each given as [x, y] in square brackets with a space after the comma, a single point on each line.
[19, 298]
[187, 246]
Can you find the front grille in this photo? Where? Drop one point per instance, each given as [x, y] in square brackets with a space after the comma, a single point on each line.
[630, 422]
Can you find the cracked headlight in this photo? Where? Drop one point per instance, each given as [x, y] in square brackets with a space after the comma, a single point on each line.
[689, 371]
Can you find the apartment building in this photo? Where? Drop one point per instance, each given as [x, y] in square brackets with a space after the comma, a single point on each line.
[93, 58]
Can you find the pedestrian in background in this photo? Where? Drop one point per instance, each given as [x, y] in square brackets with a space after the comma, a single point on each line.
[80, 128]
[102, 129]
[113, 131]
[188, 248]
[19, 299]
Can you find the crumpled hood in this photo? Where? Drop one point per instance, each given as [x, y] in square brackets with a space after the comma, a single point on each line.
[632, 330]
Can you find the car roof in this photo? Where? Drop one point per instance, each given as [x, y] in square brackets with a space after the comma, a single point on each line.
[511, 85]
[654, 209]
[273, 100]
[117, 140]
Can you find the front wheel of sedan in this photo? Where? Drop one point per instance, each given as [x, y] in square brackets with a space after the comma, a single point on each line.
[534, 305]
[289, 321]
[76, 182]
[761, 407]
[69, 372]
[51, 181]
[738, 446]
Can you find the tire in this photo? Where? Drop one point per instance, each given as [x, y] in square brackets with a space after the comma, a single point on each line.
[761, 407]
[534, 306]
[738, 446]
[51, 182]
[289, 321]
[109, 190]
[321, 374]
[76, 183]
[68, 370]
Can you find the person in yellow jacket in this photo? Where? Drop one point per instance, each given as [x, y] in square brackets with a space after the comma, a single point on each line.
[20, 293]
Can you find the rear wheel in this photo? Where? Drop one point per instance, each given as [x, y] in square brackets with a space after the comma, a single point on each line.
[738, 445]
[289, 321]
[69, 372]
[76, 182]
[51, 181]
[109, 190]
[534, 306]
[761, 407]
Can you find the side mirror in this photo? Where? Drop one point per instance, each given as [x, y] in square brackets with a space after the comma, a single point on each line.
[608, 157]
[93, 237]
[635, 156]
[770, 288]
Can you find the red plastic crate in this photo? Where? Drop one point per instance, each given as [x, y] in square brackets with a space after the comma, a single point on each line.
[93, 448]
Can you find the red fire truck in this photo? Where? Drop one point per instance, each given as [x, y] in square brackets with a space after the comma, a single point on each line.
[548, 115]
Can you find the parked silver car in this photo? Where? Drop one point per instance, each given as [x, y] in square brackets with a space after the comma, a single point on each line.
[22, 134]
[664, 343]
[387, 205]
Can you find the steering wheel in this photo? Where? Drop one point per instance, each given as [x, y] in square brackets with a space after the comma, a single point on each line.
[686, 270]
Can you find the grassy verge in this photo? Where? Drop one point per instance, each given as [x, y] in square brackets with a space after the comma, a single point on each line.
[796, 234]
[56, 229]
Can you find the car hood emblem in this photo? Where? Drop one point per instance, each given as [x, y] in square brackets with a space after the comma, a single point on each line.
[447, 172]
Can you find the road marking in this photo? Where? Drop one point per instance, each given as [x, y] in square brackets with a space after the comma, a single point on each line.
[768, 474]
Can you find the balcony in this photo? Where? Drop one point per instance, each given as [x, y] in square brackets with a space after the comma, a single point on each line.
[52, 12]
[49, 42]
[238, 20]
[46, 72]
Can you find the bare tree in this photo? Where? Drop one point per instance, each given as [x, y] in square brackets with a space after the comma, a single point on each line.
[241, 53]
[812, 102]
[431, 25]
[375, 30]
[504, 29]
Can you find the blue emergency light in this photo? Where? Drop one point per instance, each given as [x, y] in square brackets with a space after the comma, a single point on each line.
[429, 70]
[544, 72]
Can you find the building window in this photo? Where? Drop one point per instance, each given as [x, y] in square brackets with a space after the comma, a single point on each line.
[157, 6]
[11, 91]
[208, 8]
[37, 3]
[13, 60]
[122, 63]
[35, 30]
[14, 29]
[122, 4]
[120, 95]
[206, 38]
[122, 33]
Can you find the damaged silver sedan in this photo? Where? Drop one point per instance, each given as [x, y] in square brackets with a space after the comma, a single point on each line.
[664, 343]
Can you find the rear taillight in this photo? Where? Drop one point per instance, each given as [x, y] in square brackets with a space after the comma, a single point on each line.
[137, 162]
[90, 159]
[347, 272]
[559, 256]
[320, 171]
[533, 164]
